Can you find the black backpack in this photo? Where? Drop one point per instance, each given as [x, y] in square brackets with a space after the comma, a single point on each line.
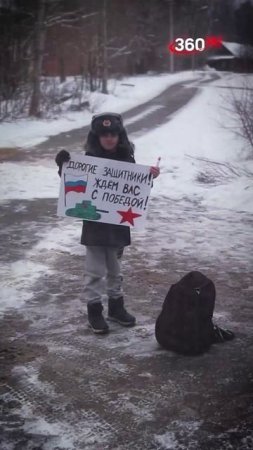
[185, 323]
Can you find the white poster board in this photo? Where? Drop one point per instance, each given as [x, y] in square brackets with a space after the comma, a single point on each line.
[104, 190]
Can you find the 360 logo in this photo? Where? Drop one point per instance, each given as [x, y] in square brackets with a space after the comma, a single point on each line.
[186, 46]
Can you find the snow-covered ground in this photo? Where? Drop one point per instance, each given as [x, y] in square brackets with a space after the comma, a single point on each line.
[202, 159]
[200, 207]
[123, 95]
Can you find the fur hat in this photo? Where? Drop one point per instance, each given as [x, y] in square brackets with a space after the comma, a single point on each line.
[107, 122]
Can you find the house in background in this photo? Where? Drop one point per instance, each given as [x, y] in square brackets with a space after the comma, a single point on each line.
[233, 57]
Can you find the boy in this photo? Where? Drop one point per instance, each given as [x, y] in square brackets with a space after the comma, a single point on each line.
[104, 242]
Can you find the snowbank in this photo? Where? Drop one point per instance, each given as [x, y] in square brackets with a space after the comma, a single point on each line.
[202, 159]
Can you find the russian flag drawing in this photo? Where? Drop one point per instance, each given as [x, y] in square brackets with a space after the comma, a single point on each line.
[74, 185]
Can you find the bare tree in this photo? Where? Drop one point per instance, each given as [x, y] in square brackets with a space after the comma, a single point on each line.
[243, 109]
[238, 106]
[39, 42]
[105, 59]
[38, 51]
[51, 14]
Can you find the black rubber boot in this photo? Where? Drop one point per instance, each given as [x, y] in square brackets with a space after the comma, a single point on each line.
[117, 312]
[221, 335]
[96, 318]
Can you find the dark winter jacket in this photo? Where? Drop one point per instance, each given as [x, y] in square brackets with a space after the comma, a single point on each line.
[105, 234]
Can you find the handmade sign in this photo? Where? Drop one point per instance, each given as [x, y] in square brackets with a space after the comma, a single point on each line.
[104, 190]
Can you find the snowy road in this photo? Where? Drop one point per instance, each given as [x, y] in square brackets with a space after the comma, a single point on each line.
[138, 120]
[71, 390]
[155, 112]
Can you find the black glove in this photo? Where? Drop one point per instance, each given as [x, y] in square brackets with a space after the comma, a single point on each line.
[62, 157]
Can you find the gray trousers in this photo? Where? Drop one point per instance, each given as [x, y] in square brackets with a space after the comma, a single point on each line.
[102, 273]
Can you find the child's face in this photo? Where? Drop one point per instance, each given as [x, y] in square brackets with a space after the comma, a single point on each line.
[109, 141]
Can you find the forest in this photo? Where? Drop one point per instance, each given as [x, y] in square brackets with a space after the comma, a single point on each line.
[94, 40]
